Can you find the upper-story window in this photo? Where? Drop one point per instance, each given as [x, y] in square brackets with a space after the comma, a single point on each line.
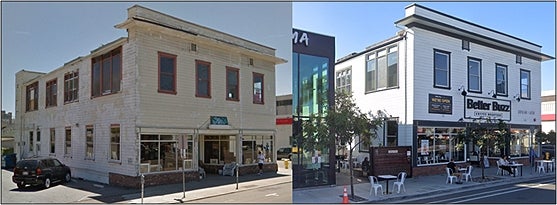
[51, 92]
[202, 79]
[518, 59]
[465, 45]
[258, 89]
[382, 69]
[32, 97]
[71, 86]
[344, 80]
[106, 73]
[501, 79]
[167, 73]
[232, 84]
[474, 75]
[442, 69]
[524, 84]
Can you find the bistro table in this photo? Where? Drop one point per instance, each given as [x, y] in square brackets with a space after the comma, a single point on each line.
[386, 178]
[545, 163]
[514, 166]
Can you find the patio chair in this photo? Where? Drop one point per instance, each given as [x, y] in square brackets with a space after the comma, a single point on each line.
[468, 173]
[499, 170]
[450, 177]
[541, 167]
[228, 169]
[375, 185]
[400, 182]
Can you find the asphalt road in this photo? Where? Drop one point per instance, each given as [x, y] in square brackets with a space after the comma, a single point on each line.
[541, 191]
[281, 193]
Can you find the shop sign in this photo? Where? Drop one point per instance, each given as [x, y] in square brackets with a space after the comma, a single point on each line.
[440, 104]
[299, 37]
[477, 107]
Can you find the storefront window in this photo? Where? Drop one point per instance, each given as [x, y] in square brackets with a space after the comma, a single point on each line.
[439, 145]
[219, 149]
[519, 143]
[160, 153]
[252, 145]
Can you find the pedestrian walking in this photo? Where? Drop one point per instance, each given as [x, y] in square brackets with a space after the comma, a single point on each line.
[260, 159]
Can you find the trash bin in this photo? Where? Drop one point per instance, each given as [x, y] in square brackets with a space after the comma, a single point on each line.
[9, 160]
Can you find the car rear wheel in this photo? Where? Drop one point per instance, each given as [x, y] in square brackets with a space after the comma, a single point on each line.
[46, 183]
[68, 177]
[20, 185]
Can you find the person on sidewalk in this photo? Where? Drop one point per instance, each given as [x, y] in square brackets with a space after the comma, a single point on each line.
[504, 164]
[365, 165]
[260, 160]
[454, 170]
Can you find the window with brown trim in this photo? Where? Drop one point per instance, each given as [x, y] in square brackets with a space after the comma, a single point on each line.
[51, 92]
[115, 142]
[89, 145]
[167, 73]
[202, 79]
[258, 89]
[32, 97]
[71, 86]
[232, 84]
[106, 73]
[68, 141]
[52, 140]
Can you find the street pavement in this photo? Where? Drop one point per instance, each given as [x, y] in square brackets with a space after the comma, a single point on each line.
[418, 186]
[211, 186]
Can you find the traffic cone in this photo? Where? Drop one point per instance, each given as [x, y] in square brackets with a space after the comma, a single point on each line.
[345, 197]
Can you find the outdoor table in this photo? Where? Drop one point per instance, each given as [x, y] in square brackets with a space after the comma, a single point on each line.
[386, 178]
[512, 165]
[545, 162]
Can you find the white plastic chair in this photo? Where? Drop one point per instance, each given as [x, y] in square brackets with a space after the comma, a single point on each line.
[400, 182]
[468, 173]
[375, 185]
[551, 165]
[499, 170]
[450, 177]
[541, 167]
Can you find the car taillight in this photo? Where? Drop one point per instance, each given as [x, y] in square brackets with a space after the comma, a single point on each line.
[38, 171]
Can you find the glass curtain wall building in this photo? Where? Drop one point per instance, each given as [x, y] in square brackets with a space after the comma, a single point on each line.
[313, 94]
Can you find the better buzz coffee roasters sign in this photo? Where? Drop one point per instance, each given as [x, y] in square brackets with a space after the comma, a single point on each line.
[476, 107]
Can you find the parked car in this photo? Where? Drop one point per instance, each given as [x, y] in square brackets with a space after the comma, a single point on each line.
[284, 152]
[40, 171]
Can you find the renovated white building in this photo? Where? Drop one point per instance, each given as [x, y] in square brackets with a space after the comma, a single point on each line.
[548, 111]
[440, 75]
[170, 96]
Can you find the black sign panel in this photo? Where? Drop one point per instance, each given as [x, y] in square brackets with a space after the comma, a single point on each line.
[440, 104]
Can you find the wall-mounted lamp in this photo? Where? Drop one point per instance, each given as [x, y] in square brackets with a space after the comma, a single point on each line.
[463, 93]
[517, 97]
[492, 93]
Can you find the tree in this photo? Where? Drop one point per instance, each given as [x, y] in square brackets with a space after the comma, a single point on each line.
[486, 133]
[343, 124]
[547, 138]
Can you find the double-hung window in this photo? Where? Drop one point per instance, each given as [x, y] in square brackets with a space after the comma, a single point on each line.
[442, 69]
[51, 92]
[115, 142]
[89, 143]
[52, 140]
[258, 88]
[32, 97]
[106, 73]
[501, 79]
[71, 86]
[382, 69]
[202, 79]
[68, 142]
[344, 80]
[232, 84]
[474, 75]
[167, 73]
[525, 84]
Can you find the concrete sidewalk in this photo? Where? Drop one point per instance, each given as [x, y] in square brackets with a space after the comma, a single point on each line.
[213, 185]
[415, 187]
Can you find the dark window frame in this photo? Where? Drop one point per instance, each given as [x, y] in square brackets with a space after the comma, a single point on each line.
[529, 84]
[255, 98]
[173, 74]
[68, 141]
[197, 79]
[465, 45]
[71, 94]
[435, 85]
[115, 81]
[52, 141]
[32, 105]
[236, 93]
[51, 97]
[480, 74]
[518, 59]
[112, 142]
[506, 93]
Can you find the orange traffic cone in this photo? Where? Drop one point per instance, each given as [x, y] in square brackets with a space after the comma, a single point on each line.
[345, 197]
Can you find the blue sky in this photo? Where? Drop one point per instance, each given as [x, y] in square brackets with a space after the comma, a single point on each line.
[356, 25]
[43, 36]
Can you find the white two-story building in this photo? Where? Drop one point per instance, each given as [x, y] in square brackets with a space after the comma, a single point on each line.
[169, 97]
[438, 77]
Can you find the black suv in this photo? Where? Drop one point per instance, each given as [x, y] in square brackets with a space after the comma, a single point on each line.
[40, 171]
